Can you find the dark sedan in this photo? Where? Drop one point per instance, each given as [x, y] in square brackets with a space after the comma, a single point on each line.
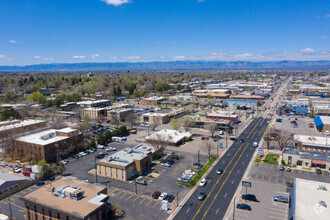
[281, 199]
[243, 206]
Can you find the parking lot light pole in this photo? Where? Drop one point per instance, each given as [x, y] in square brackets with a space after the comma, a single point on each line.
[95, 164]
[198, 164]
[11, 212]
[177, 194]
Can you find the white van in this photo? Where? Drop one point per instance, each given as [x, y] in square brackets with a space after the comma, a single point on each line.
[255, 144]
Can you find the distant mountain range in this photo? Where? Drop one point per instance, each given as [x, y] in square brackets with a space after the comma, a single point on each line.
[172, 66]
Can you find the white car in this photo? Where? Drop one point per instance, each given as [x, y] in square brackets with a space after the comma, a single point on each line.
[327, 133]
[162, 196]
[203, 182]
[165, 164]
[255, 144]
[82, 154]
[190, 172]
[111, 149]
[17, 170]
[64, 162]
[100, 146]
[221, 132]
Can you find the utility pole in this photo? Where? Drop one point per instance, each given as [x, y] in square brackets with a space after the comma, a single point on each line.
[198, 163]
[11, 212]
[95, 170]
[135, 186]
[177, 194]
[217, 146]
[234, 207]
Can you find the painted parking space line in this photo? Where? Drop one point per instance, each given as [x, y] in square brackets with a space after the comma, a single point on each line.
[123, 195]
[4, 202]
[142, 200]
[148, 202]
[130, 197]
[22, 211]
[155, 204]
[112, 191]
[136, 198]
[117, 193]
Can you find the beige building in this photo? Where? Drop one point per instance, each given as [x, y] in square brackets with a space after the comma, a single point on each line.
[169, 136]
[94, 112]
[67, 199]
[126, 163]
[155, 100]
[120, 114]
[20, 126]
[151, 117]
[312, 143]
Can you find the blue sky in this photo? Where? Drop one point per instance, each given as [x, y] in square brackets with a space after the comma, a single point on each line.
[57, 31]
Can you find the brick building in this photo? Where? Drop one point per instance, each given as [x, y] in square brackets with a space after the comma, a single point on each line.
[155, 100]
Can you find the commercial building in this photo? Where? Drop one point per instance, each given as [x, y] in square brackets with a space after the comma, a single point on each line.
[221, 124]
[322, 123]
[68, 199]
[255, 97]
[119, 113]
[155, 100]
[217, 116]
[94, 103]
[161, 118]
[220, 93]
[312, 143]
[126, 163]
[309, 200]
[20, 126]
[94, 112]
[240, 103]
[169, 137]
[9, 182]
[48, 144]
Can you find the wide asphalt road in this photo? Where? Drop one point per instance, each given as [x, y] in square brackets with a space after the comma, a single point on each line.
[220, 189]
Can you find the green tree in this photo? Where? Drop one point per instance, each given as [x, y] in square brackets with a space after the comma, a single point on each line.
[9, 113]
[175, 123]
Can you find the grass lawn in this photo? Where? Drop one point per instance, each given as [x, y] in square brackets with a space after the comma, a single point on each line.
[271, 159]
[195, 179]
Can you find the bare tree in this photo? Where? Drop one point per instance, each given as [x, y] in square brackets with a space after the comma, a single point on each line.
[175, 124]
[114, 120]
[159, 142]
[212, 129]
[186, 123]
[208, 148]
[100, 119]
[58, 123]
[154, 125]
[131, 119]
[268, 140]
[283, 138]
[85, 124]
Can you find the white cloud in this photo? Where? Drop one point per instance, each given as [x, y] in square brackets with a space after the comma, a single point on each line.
[95, 56]
[214, 53]
[2, 56]
[115, 2]
[158, 42]
[132, 58]
[36, 57]
[12, 41]
[179, 57]
[324, 37]
[327, 15]
[42, 58]
[307, 50]
[78, 57]
[48, 58]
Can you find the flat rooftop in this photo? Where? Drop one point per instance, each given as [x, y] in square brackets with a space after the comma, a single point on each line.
[325, 120]
[44, 137]
[154, 98]
[153, 114]
[312, 140]
[308, 198]
[92, 102]
[168, 135]
[81, 207]
[17, 124]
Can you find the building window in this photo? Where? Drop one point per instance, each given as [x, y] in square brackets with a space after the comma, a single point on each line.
[319, 149]
[309, 148]
[304, 148]
[314, 149]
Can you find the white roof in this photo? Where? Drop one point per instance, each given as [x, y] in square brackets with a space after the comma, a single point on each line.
[312, 140]
[92, 102]
[36, 138]
[308, 198]
[155, 114]
[20, 124]
[171, 136]
[67, 130]
[325, 120]
[154, 98]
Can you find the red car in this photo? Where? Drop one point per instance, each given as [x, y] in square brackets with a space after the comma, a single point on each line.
[311, 126]
[156, 194]
[27, 173]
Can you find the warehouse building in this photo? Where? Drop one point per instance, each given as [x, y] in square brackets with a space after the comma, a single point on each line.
[170, 137]
[306, 143]
[322, 123]
[20, 126]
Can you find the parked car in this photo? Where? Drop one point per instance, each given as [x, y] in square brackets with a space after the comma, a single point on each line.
[156, 194]
[249, 197]
[64, 162]
[82, 154]
[170, 161]
[165, 164]
[311, 126]
[219, 171]
[99, 156]
[104, 153]
[100, 146]
[242, 140]
[88, 181]
[40, 183]
[162, 196]
[17, 170]
[170, 198]
[203, 182]
[255, 144]
[52, 178]
[141, 181]
[221, 132]
[318, 170]
[280, 199]
[26, 173]
[281, 167]
[201, 196]
[176, 157]
[288, 169]
[111, 149]
[233, 138]
[243, 206]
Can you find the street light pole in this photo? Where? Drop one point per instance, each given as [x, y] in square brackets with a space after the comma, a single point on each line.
[198, 164]
[95, 164]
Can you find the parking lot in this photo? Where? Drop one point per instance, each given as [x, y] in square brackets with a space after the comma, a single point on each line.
[265, 207]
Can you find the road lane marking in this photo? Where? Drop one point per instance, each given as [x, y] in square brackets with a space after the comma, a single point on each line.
[123, 195]
[136, 198]
[188, 210]
[217, 211]
[237, 171]
[224, 172]
[155, 204]
[142, 200]
[130, 197]
[149, 202]
[225, 194]
[243, 162]
[232, 181]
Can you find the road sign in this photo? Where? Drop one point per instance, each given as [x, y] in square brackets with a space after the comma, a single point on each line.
[246, 184]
